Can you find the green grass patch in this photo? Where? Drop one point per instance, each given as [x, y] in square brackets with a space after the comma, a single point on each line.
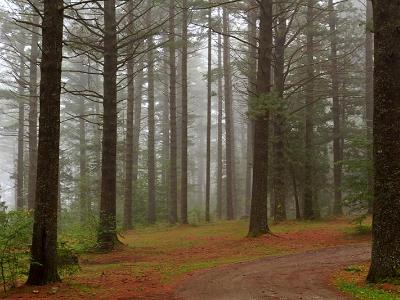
[98, 269]
[83, 288]
[358, 230]
[353, 269]
[366, 292]
[165, 238]
[169, 274]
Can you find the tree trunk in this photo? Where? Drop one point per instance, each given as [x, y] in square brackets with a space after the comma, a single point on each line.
[98, 145]
[165, 158]
[173, 144]
[151, 156]
[33, 114]
[165, 124]
[107, 236]
[309, 122]
[136, 129]
[369, 94]
[385, 263]
[201, 162]
[184, 146]
[209, 98]
[259, 204]
[43, 268]
[230, 144]
[252, 81]
[219, 133]
[279, 149]
[295, 192]
[337, 165]
[21, 132]
[83, 197]
[128, 193]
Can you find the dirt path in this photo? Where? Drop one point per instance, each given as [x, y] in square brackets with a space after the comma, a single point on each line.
[297, 276]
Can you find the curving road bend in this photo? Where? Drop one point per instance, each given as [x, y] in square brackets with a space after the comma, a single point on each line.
[296, 276]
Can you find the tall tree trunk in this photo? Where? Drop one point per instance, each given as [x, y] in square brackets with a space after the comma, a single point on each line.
[220, 131]
[97, 144]
[309, 122]
[165, 136]
[259, 204]
[230, 144]
[385, 263]
[137, 128]
[279, 149]
[107, 236]
[33, 114]
[184, 146]
[83, 197]
[151, 156]
[43, 268]
[209, 98]
[369, 94]
[165, 128]
[128, 193]
[337, 165]
[21, 132]
[173, 175]
[98, 150]
[252, 81]
[201, 163]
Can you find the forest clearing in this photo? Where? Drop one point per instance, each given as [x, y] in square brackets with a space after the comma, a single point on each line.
[200, 149]
[156, 262]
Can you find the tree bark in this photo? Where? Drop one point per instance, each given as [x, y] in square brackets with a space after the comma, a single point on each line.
[259, 204]
[279, 140]
[220, 131]
[136, 130]
[369, 94]
[165, 156]
[98, 145]
[165, 128]
[184, 146]
[128, 193]
[337, 164]
[43, 267]
[83, 184]
[151, 157]
[33, 114]
[21, 132]
[230, 143]
[252, 82]
[173, 175]
[295, 192]
[385, 263]
[107, 234]
[309, 122]
[209, 99]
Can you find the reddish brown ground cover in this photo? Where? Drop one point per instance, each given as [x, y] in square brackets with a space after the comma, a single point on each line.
[156, 260]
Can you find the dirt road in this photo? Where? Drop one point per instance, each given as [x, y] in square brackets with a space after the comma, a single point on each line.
[297, 276]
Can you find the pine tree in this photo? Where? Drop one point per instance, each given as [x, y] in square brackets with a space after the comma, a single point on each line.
[259, 214]
[43, 267]
[385, 261]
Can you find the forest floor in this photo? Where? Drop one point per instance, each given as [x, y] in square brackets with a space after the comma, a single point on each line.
[164, 263]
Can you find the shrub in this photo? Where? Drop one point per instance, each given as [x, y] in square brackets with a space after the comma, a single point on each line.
[15, 238]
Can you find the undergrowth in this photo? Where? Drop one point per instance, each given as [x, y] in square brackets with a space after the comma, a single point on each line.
[352, 280]
[366, 292]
